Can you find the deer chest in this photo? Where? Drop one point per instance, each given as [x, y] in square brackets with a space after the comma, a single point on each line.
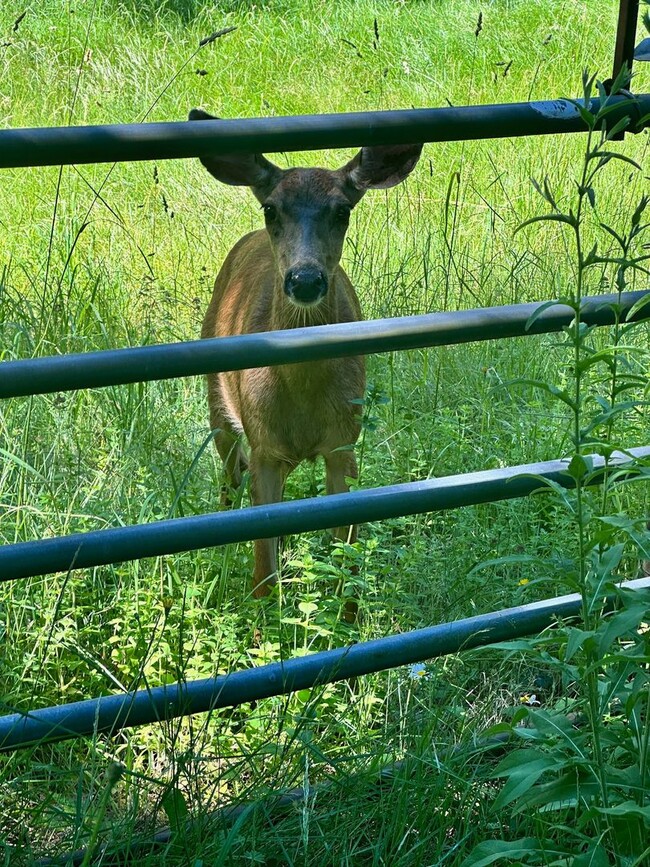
[298, 414]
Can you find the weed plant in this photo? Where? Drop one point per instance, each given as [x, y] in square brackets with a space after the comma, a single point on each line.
[95, 257]
[582, 777]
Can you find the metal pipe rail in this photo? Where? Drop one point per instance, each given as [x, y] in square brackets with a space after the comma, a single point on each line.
[114, 712]
[165, 361]
[55, 146]
[101, 547]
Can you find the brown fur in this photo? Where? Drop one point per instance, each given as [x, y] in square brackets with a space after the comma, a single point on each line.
[293, 412]
[289, 413]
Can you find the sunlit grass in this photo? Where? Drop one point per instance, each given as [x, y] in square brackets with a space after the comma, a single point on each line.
[95, 257]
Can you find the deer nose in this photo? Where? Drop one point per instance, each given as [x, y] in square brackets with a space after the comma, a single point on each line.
[306, 285]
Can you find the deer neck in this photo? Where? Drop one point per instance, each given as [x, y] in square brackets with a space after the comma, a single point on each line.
[305, 377]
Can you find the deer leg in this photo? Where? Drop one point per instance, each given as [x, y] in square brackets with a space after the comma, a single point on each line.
[234, 461]
[339, 467]
[645, 563]
[267, 485]
[228, 443]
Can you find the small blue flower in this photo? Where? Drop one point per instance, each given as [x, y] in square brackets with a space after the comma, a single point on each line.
[418, 671]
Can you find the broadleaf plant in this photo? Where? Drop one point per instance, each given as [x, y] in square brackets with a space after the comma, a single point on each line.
[583, 776]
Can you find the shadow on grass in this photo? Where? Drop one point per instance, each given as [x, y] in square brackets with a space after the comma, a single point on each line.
[185, 10]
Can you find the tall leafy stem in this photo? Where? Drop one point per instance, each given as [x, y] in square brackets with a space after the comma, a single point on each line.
[586, 759]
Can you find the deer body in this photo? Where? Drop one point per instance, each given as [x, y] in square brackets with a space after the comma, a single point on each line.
[293, 412]
[285, 276]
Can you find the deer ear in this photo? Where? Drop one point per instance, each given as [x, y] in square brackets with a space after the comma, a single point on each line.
[240, 170]
[382, 166]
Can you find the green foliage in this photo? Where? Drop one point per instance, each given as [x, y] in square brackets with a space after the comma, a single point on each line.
[95, 257]
[583, 777]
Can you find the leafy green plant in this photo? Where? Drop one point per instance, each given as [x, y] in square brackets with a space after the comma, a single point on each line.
[582, 777]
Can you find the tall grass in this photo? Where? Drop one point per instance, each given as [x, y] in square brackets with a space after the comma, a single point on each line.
[93, 257]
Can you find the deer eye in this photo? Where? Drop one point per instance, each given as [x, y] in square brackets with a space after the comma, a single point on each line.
[270, 213]
[342, 214]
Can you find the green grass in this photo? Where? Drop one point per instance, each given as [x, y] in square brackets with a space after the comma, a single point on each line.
[100, 257]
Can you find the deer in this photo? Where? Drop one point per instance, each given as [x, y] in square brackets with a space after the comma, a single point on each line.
[283, 276]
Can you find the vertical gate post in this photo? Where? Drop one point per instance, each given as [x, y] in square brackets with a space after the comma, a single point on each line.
[628, 14]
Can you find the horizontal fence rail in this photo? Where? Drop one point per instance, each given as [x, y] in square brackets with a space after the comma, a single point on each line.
[183, 139]
[114, 712]
[54, 146]
[101, 547]
[165, 361]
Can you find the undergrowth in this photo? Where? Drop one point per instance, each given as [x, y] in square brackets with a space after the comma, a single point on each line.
[577, 788]
[387, 770]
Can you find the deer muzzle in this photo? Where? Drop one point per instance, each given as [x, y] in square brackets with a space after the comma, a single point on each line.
[305, 285]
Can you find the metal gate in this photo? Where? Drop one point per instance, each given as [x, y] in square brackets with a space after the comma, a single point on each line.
[57, 146]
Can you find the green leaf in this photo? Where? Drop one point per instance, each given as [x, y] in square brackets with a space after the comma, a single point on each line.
[602, 93]
[225, 850]
[638, 213]
[618, 127]
[591, 258]
[553, 724]
[587, 116]
[606, 356]
[175, 806]
[517, 645]
[522, 768]
[545, 193]
[596, 856]
[578, 467]
[512, 764]
[560, 490]
[612, 155]
[610, 559]
[638, 306]
[548, 194]
[534, 316]
[552, 218]
[554, 390]
[622, 79]
[614, 234]
[619, 624]
[498, 729]
[565, 792]
[626, 809]
[508, 560]
[576, 641]
[639, 537]
[587, 86]
[491, 851]
[19, 462]
[614, 106]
